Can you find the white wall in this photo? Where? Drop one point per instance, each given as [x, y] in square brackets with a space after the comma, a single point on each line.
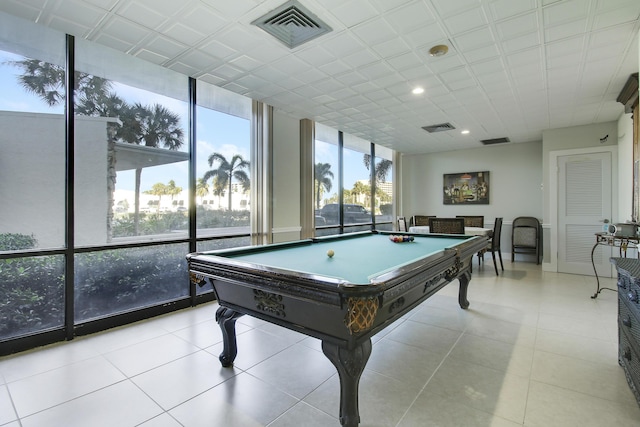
[515, 173]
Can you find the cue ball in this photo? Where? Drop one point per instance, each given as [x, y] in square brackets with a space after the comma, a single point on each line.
[330, 253]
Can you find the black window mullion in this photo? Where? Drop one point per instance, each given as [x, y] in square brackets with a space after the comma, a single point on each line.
[69, 190]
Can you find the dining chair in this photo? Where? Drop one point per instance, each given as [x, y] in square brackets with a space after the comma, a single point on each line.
[402, 224]
[421, 220]
[472, 220]
[446, 225]
[494, 244]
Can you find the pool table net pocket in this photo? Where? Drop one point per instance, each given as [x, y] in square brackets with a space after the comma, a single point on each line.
[361, 313]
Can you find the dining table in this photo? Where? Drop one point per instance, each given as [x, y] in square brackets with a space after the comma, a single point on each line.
[470, 231]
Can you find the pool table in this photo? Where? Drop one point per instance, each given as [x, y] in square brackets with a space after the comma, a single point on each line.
[344, 299]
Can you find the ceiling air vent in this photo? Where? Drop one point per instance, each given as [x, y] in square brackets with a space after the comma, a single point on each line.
[495, 141]
[439, 128]
[292, 24]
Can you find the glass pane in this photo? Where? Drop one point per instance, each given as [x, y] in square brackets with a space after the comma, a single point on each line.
[119, 280]
[357, 181]
[384, 191]
[326, 178]
[31, 295]
[32, 136]
[131, 149]
[223, 162]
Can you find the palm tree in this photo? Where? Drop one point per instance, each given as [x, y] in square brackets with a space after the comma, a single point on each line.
[227, 171]
[323, 180]
[157, 126]
[218, 189]
[172, 189]
[382, 168]
[361, 188]
[202, 188]
[158, 189]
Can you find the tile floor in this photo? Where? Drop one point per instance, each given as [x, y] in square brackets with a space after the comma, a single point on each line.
[532, 350]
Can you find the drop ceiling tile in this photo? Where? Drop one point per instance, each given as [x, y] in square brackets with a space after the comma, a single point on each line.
[335, 68]
[199, 60]
[424, 38]
[80, 13]
[376, 70]
[518, 26]
[563, 31]
[315, 55]
[523, 42]
[527, 57]
[125, 30]
[152, 57]
[164, 7]
[103, 4]
[625, 14]
[448, 7]
[501, 9]
[183, 34]
[69, 27]
[122, 46]
[166, 47]
[202, 19]
[342, 44]
[405, 61]
[488, 67]
[390, 48]
[235, 9]
[618, 36]
[466, 21]
[138, 13]
[481, 54]
[217, 50]
[374, 31]
[444, 63]
[240, 39]
[410, 17]
[311, 76]
[566, 11]
[245, 63]
[183, 68]
[351, 13]
[359, 59]
[351, 78]
[20, 9]
[474, 39]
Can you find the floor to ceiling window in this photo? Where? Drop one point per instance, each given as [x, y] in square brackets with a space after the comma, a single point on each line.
[351, 192]
[32, 181]
[105, 243]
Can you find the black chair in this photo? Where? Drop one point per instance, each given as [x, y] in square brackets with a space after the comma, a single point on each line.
[446, 225]
[526, 237]
[421, 220]
[494, 244]
[402, 224]
[473, 220]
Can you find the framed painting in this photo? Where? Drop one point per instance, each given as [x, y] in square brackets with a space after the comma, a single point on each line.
[468, 188]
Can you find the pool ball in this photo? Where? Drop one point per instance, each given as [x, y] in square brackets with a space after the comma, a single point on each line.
[330, 253]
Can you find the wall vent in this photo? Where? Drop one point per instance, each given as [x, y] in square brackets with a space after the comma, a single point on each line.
[439, 128]
[292, 24]
[495, 141]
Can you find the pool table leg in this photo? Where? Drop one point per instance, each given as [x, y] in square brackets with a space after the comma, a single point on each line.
[464, 279]
[350, 364]
[226, 318]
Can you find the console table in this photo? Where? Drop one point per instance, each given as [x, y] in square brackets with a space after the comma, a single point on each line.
[622, 242]
[629, 320]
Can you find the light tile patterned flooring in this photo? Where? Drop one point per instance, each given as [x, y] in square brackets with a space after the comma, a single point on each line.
[532, 350]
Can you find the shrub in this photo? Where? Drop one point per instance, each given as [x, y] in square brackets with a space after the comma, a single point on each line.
[16, 242]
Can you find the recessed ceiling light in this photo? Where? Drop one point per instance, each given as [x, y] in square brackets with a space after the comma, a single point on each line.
[464, 132]
[417, 91]
[439, 50]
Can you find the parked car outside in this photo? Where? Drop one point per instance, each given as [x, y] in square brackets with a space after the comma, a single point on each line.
[353, 214]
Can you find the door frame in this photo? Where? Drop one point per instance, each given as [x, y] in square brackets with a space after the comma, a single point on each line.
[554, 171]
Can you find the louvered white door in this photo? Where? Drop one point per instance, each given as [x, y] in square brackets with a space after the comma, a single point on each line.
[584, 200]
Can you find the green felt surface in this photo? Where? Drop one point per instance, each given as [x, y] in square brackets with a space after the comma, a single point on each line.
[356, 259]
